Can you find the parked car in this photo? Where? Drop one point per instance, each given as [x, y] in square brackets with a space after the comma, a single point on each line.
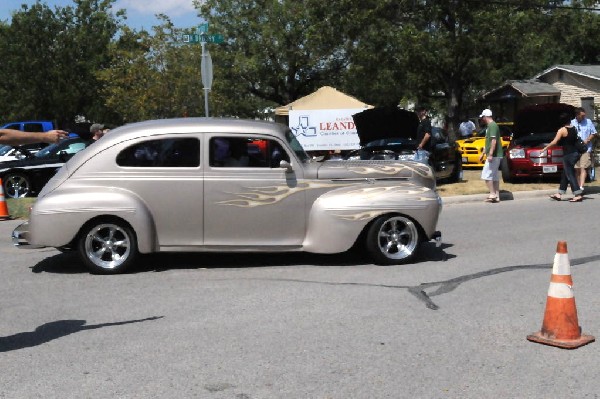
[535, 126]
[390, 134]
[27, 176]
[10, 153]
[227, 185]
[472, 147]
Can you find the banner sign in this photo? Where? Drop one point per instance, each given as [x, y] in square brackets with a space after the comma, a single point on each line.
[331, 129]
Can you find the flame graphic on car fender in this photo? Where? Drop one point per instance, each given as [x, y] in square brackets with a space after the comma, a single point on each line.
[272, 194]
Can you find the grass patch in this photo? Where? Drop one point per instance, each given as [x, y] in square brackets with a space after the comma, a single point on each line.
[18, 208]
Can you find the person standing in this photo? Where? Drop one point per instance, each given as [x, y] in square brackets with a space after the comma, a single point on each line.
[566, 136]
[586, 132]
[493, 152]
[423, 136]
[466, 128]
[97, 131]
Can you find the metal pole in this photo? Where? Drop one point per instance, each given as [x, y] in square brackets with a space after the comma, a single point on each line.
[205, 89]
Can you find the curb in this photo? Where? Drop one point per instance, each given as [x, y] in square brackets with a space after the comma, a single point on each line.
[504, 196]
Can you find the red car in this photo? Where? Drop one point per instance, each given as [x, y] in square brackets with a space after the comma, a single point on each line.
[534, 127]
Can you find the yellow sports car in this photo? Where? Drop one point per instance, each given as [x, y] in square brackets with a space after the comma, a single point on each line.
[472, 147]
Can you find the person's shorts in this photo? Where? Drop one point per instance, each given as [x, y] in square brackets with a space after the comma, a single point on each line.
[585, 161]
[490, 169]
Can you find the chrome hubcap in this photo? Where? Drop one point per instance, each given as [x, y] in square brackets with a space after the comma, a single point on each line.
[107, 246]
[398, 238]
[16, 187]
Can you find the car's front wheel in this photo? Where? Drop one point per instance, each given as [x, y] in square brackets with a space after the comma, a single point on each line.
[505, 170]
[16, 185]
[393, 239]
[107, 246]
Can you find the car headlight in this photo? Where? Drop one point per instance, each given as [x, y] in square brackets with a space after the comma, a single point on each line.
[516, 153]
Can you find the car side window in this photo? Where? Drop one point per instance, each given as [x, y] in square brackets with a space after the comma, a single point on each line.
[168, 152]
[32, 127]
[236, 152]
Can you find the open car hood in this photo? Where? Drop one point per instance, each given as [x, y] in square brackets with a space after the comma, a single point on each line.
[385, 122]
[544, 118]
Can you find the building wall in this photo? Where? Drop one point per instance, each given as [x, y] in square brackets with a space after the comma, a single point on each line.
[573, 87]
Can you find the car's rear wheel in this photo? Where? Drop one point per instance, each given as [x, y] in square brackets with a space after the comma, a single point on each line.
[107, 246]
[16, 185]
[393, 239]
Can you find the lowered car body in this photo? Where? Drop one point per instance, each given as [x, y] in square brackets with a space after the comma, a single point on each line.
[203, 184]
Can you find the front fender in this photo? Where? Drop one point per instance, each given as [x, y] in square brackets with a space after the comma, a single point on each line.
[338, 217]
[56, 218]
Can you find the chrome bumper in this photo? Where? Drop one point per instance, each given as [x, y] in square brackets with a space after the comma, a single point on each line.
[20, 237]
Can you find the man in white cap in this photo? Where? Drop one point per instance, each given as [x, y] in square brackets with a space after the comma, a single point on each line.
[493, 153]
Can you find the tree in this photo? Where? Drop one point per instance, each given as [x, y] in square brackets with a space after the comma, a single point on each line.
[276, 50]
[50, 58]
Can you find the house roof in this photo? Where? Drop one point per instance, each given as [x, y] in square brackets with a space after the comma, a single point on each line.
[324, 98]
[590, 71]
[522, 88]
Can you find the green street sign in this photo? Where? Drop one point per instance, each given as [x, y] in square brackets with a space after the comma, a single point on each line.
[202, 28]
[203, 38]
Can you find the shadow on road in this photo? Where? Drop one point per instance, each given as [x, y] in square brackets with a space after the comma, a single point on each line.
[54, 330]
[69, 263]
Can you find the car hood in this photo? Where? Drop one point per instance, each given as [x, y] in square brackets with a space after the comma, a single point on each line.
[385, 122]
[544, 118]
[387, 170]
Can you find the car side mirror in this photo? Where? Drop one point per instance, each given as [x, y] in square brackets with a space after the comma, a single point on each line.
[286, 165]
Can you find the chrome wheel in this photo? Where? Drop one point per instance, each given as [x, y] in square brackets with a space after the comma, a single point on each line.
[393, 239]
[108, 247]
[17, 186]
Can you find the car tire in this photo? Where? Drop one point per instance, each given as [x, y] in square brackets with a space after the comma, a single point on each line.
[16, 185]
[457, 173]
[506, 177]
[107, 246]
[393, 239]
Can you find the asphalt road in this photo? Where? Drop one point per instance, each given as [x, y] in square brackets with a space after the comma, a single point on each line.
[452, 325]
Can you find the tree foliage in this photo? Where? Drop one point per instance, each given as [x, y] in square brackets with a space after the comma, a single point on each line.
[50, 59]
[83, 60]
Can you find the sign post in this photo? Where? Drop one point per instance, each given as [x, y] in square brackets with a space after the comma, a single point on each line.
[206, 67]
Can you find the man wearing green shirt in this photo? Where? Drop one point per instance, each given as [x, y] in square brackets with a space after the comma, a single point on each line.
[493, 152]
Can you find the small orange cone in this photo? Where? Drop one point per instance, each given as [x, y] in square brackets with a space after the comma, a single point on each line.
[560, 326]
[3, 207]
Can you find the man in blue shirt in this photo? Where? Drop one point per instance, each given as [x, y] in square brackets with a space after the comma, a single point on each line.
[587, 132]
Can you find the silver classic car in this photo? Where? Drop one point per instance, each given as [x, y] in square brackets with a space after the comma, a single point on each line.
[223, 185]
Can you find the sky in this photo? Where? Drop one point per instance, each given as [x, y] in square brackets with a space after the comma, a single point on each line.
[140, 13]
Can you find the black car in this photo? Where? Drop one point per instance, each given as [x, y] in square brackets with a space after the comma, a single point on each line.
[391, 134]
[25, 177]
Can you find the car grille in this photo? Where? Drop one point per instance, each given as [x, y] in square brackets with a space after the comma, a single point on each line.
[469, 150]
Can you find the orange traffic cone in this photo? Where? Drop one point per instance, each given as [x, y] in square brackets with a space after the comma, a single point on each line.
[560, 326]
[3, 207]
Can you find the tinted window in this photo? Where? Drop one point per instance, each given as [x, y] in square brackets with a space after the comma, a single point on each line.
[235, 152]
[176, 153]
[32, 127]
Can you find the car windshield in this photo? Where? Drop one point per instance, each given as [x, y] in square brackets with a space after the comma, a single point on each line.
[392, 141]
[5, 149]
[44, 152]
[296, 146]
